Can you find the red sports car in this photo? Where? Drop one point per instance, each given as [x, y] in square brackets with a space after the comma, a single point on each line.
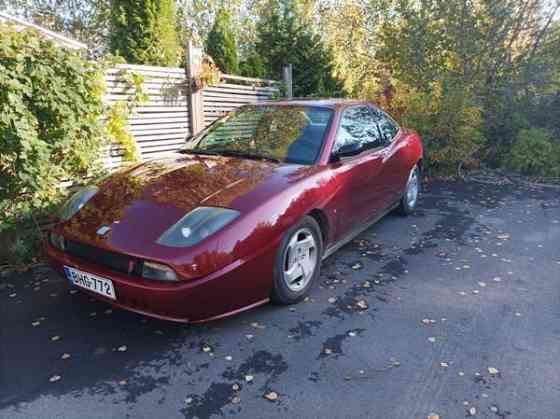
[244, 214]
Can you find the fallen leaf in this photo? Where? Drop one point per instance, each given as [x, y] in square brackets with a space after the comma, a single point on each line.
[55, 378]
[493, 371]
[362, 304]
[271, 396]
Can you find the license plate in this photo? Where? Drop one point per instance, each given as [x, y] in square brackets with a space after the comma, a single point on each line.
[91, 282]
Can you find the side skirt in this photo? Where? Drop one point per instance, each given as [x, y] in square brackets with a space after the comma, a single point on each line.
[357, 230]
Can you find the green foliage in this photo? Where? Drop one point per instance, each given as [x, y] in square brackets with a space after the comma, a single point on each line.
[535, 152]
[119, 113]
[144, 31]
[282, 40]
[50, 108]
[449, 122]
[253, 65]
[221, 45]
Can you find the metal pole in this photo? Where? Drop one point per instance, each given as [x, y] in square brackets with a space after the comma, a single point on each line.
[195, 99]
[288, 81]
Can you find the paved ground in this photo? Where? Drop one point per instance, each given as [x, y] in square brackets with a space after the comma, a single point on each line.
[407, 320]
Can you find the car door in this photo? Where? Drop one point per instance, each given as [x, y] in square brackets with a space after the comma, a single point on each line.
[359, 187]
[393, 171]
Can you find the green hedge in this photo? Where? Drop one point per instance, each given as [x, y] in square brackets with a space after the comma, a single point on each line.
[535, 152]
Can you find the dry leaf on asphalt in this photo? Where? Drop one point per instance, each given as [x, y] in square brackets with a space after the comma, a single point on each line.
[271, 396]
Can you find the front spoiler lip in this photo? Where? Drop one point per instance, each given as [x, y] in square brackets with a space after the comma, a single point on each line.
[182, 320]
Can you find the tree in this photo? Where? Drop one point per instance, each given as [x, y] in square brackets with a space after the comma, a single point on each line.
[84, 20]
[253, 65]
[283, 39]
[221, 45]
[144, 31]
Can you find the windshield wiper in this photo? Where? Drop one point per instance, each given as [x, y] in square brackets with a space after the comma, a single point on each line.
[200, 152]
[246, 155]
[230, 153]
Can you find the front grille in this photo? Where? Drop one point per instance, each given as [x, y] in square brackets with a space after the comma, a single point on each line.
[112, 260]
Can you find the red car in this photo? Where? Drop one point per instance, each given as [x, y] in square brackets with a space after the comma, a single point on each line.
[243, 215]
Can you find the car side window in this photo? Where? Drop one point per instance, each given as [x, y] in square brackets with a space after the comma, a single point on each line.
[387, 126]
[357, 130]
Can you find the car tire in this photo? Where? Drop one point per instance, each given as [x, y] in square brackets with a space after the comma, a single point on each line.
[298, 262]
[409, 200]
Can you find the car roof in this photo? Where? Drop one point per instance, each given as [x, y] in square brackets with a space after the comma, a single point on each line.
[321, 103]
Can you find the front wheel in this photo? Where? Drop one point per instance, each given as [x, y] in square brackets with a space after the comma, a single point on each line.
[410, 198]
[298, 262]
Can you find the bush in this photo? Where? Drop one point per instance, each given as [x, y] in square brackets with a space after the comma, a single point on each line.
[535, 152]
[448, 120]
[50, 128]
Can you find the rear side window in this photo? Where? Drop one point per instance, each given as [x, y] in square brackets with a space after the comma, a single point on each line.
[387, 126]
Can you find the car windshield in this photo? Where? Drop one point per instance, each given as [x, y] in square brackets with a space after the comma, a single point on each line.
[292, 134]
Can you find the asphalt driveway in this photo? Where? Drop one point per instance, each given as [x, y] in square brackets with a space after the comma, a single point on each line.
[454, 311]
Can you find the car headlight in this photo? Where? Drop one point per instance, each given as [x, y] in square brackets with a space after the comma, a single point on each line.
[196, 226]
[77, 201]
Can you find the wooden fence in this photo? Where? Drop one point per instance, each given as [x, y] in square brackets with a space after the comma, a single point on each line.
[161, 124]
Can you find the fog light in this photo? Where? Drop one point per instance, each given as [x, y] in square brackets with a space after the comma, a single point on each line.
[57, 241]
[152, 270]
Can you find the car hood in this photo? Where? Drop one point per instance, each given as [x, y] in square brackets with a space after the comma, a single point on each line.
[140, 203]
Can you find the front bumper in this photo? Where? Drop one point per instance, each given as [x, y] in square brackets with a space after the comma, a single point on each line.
[238, 286]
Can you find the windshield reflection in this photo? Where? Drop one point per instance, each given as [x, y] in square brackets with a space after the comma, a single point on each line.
[292, 134]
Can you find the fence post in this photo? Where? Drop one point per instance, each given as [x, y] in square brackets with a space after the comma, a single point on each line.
[288, 81]
[195, 98]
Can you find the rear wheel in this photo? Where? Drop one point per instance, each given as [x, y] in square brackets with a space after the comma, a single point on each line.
[410, 198]
[298, 262]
